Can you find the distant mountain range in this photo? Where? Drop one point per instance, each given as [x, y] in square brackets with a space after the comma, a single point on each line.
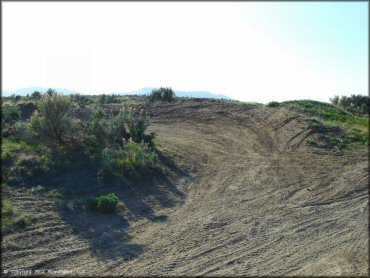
[30, 90]
[143, 91]
[195, 94]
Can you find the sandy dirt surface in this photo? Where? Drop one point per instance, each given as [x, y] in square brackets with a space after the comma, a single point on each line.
[245, 197]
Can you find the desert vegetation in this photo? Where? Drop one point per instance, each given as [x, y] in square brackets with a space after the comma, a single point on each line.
[104, 203]
[116, 142]
[162, 94]
[356, 104]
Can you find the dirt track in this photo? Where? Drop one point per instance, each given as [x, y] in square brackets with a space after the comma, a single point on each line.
[247, 197]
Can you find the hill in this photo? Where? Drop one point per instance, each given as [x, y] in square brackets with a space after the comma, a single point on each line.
[245, 193]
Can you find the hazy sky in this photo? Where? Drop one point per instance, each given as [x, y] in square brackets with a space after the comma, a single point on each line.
[246, 50]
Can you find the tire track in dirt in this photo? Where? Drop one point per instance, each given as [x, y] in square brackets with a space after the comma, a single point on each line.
[280, 166]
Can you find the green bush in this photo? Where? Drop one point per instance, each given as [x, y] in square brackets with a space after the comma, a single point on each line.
[122, 126]
[104, 129]
[22, 131]
[138, 155]
[109, 163]
[365, 108]
[104, 203]
[273, 104]
[96, 131]
[36, 95]
[10, 114]
[128, 159]
[136, 123]
[81, 100]
[162, 94]
[51, 120]
[106, 99]
[107, 203]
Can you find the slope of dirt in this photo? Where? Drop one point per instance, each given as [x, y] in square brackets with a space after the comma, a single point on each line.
[245, 197]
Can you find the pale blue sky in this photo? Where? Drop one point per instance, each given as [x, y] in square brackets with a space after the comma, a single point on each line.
[246, 50]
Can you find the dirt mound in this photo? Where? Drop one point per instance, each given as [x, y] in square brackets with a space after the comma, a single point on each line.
[27, 110]
[246, 196]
